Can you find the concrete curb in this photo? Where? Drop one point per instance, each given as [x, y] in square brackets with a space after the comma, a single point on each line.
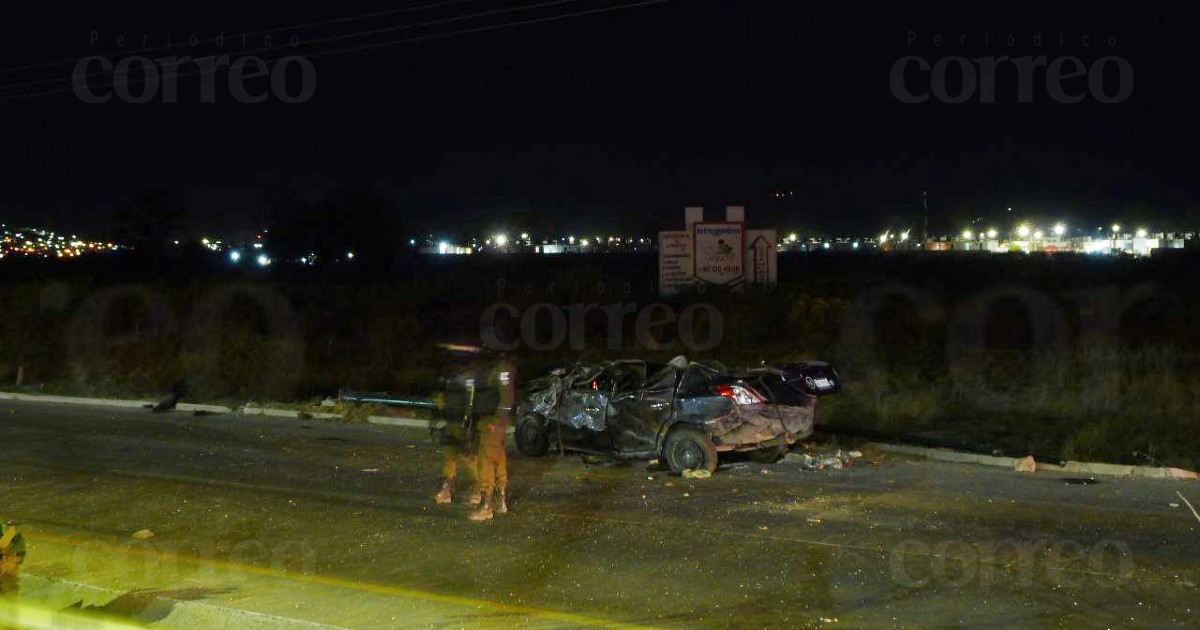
[246, 410]
[412, 422]
[1089, 468]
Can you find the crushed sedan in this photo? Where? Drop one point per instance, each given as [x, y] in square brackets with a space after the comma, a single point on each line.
[682, 412]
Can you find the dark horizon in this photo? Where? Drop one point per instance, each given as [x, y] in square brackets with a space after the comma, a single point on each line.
[611, 120]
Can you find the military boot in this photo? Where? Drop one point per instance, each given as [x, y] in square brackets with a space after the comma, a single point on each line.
[444, 495]
[484, 513]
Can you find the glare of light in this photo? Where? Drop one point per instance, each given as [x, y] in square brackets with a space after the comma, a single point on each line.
[205, 241]
[1060, 229]
[263, 260]
[792, 237]
[524, 235]
[884, 237]
[443, 247]
[1141, 233]
[1116, 227]
[991, 233]
[235, 256]
[826, 245]
[1023, 231]
[571, 240]
[413, 241]
[904, 236]
[501, 240]
[1038, 234]
[584, 242]
[349, 255]
[967, 235]
[258, 246]
[176, 242]
[854, 245]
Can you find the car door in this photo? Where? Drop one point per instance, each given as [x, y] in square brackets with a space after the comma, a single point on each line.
[582, 409]
[638, 415]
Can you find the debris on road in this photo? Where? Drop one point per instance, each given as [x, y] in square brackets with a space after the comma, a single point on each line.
[699, 473]
[1026, 464]
[370, 470]
[1189, 504]
[1080, 481]
[820, 461]
[143, 534]
[814, 521]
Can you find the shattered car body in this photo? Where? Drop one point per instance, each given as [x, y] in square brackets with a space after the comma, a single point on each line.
[682, 411]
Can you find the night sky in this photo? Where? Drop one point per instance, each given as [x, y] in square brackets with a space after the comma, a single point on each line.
[610, 120]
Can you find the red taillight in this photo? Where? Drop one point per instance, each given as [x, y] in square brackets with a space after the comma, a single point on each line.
[738, 394]
[596, 385]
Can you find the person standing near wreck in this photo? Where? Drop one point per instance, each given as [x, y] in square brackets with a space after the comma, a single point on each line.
[498, 398]
[457, 406]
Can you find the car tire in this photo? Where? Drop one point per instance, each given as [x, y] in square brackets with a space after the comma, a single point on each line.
[689, 448]
[530, 436]
[768, 455]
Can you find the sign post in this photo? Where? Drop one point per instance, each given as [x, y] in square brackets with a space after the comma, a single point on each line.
[715, 253]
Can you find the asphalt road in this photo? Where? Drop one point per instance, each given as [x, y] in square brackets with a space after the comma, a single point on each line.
[334, 524]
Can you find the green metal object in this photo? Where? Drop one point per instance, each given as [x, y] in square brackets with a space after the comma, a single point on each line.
[386, 399]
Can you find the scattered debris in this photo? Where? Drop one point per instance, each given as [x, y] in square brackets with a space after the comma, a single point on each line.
[762, 528]
[1173, 504]
[650, 478]
[370, 470]
[1189, 504]
[820, 461]
[1026, 464]
[699, 473]
[143, 534]
[814, 521]
[1080, 481]
[687, 494]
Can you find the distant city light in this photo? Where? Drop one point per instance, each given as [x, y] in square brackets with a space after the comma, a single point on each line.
[991, 233]
[904, 236]
[1023, 231]
[792, 237]
[1116, 227]
[826, 245]
[583, 243]
[524, 236]
[1060, 229]
[501, 240]
[1142, 232]
[884, 237]
[235, 256]
[1038, 234]
[967, 235]
[443, 247]
[571, 240]
[263, 260]
[349, 255]
[854, 245]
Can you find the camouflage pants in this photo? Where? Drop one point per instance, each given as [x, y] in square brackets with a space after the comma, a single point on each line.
[493, 461]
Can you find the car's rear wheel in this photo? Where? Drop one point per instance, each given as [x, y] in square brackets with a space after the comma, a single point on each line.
[530, 436]
[689, 448]
[768, 455]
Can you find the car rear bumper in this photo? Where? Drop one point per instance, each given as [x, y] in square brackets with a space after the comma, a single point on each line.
[755, 426]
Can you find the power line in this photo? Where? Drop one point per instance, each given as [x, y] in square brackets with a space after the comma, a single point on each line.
[334, 38]
[384, 44]
[339, 20]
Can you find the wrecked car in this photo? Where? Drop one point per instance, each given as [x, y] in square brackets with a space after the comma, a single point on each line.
[683, 412]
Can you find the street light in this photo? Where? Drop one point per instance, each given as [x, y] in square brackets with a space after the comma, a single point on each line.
[991, 233]
[1038, 234]
[904, 236]
[792, 237]
[1116, 227]
[1023, 231]
[501, 240]
[1141, 233]
[967, 235]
